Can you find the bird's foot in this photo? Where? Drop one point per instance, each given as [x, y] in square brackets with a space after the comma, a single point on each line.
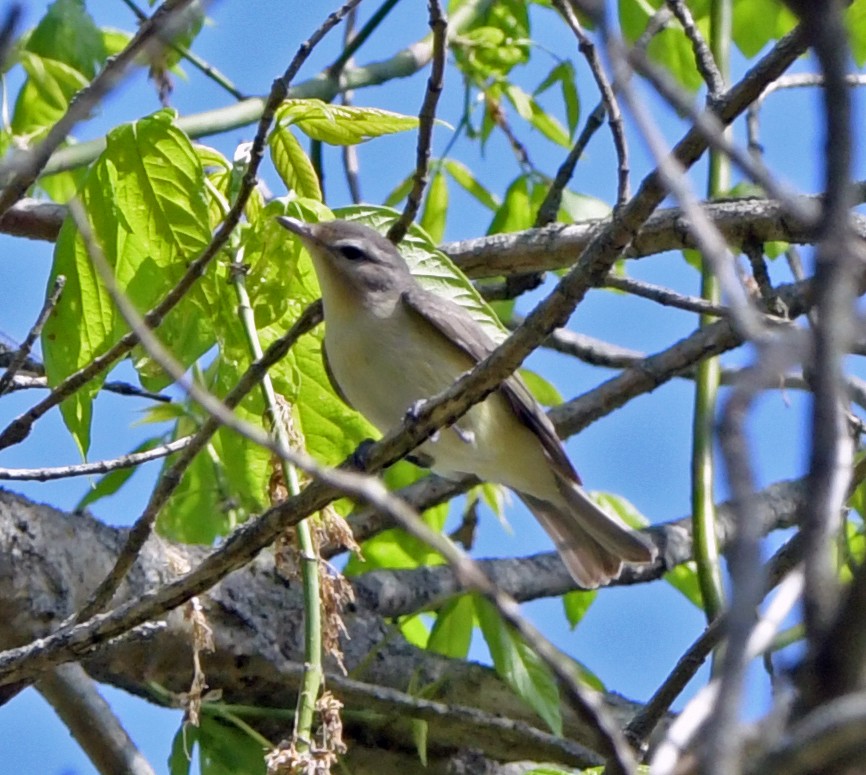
[414, 412]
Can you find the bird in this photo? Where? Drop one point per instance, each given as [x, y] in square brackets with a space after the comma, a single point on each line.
[390, 344]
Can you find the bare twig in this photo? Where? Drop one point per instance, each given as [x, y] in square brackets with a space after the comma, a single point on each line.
[608, 97]
[549, 208]
[665, 296]
[693, 717]
[23, 353]
[710, 241]
[751, 165]
[703, 55]
[97, 467]
[426, 119]
[838, 266]
[349, 153]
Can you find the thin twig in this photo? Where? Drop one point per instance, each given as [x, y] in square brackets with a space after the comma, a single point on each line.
[426, 120]
[665, 296]
[97, 467]
[608, 97]
[641, 727]
[702, 706]
[838, 265]
[549, 208]
[711, 243]
[349, 153]
[23, 353]
[352, 45]
[751, 165]
[703, 56]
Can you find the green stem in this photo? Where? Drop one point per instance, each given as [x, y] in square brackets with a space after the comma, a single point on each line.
[311, 681]
[709, 371]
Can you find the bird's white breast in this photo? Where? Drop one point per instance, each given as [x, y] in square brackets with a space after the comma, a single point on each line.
[386, 362]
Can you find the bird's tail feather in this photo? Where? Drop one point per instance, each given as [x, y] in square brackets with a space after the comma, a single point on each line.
[591, 543]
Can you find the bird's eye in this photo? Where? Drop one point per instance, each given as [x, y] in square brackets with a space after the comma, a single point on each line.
[352, 252]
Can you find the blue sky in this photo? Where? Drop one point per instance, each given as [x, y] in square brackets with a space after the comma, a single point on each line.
[632, 637]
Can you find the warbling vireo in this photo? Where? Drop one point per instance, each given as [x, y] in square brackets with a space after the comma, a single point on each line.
[389, 343]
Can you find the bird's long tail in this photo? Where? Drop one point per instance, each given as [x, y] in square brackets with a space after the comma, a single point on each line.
[592, 544]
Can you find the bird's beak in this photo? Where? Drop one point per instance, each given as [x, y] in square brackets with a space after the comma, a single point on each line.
[295, 226]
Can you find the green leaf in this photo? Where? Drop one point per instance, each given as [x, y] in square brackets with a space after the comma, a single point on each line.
[582, 207]
[182, 745]
[200, 508]
[499, 40]
[634, 15]
[341, 124]
[414, 629]
[451, 635]
[400, 191]
[515, 213]
[45, 95]
[68, 34]
[672, 50]
[62, 186]
[622, 507]
[435, 207]
[420, 730]
[755, 23]
[519, 666]
[565, 75]
[855, 21]
[114, 41]
[293, 165]
[226, 750]
[529, 110]
[144, 198]
[544, 392]
[576, 604]
[463, 177]
[684, 578]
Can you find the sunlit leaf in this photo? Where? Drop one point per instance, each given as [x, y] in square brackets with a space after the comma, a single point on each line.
[341, 124]
[293, 164]
[519, 666]
[464, 177]
[451, 635]
[435, 208]
[576, 604]
[68, 34]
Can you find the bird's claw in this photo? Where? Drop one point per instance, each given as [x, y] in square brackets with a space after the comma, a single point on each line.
[414, 412]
